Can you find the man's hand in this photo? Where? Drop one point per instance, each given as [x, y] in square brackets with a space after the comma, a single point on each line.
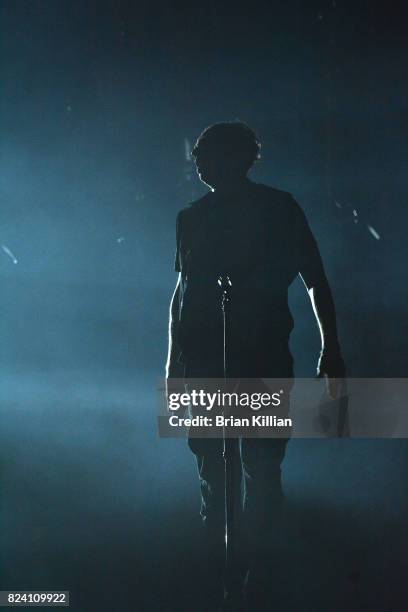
[331, 366]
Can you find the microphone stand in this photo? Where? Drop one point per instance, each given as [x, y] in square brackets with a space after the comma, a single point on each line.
[228, 447]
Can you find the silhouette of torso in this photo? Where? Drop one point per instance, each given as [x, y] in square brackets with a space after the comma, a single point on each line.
[258, 237]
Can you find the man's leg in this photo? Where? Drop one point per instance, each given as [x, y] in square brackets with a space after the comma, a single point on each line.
[211, 471]
[263, 494]
[210, 465]
[263, 516]
[261, 465]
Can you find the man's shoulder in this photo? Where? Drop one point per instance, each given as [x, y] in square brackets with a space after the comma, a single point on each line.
[195, 206]
[272, 194]
[260, 193]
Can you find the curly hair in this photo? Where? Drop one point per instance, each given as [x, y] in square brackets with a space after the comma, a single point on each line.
[234, 139]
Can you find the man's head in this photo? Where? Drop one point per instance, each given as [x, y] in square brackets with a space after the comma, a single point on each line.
[224, 152]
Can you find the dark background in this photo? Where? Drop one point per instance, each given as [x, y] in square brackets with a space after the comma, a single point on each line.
[99, 103]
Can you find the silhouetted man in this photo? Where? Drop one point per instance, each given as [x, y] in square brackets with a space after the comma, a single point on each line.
[260, 237]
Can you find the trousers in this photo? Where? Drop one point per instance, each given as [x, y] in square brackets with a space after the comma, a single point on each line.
[259, 495]
[257, 461]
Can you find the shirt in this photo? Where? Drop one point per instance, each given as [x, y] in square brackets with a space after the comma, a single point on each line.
[260, 238]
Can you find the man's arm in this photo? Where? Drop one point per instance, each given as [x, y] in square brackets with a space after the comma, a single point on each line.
[331, 364]
[174, 369]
